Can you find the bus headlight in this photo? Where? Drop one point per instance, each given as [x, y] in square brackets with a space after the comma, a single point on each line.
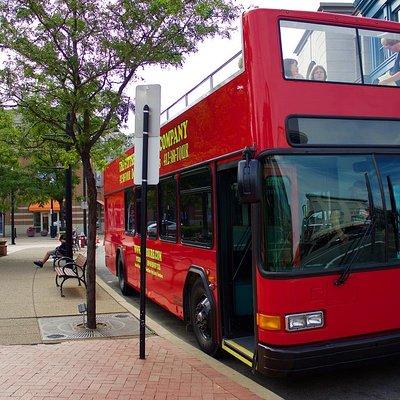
[310, 320]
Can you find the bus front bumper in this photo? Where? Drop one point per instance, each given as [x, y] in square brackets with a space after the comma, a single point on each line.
[304, 359]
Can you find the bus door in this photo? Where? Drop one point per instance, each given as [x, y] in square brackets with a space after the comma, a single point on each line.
[235, 268]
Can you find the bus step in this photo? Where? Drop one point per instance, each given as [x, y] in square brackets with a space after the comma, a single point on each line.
[241, 348]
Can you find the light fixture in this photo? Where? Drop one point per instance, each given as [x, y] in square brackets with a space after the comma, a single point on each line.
[302, 321]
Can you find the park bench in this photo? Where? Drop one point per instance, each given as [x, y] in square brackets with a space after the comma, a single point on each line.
[70, 269]
[58, 258]
[57, 255]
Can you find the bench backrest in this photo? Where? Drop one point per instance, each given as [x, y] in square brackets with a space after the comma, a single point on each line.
[80, 261]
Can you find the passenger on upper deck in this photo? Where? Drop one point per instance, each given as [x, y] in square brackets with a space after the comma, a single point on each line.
[393, 78]
[318, 73]
[291, 69]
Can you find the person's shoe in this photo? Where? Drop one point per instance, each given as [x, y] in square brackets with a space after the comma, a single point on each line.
[39, 264]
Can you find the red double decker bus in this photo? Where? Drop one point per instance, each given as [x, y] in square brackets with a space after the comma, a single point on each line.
[274, 230]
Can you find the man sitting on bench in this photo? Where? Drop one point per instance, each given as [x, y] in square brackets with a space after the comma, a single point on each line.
[60, 250]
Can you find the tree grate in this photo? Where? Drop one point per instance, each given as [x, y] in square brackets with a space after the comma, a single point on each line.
[72, 327]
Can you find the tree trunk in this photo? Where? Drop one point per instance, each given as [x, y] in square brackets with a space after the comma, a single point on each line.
[91, 241]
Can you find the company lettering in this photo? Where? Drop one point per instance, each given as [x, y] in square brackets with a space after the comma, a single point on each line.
[126, 176]
[171, 143]
[174, 136]
[175, 155]
[126, 162]
[152, 267]
[125, 168]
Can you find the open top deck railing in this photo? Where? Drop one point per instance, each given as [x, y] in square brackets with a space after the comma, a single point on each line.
[217, 78]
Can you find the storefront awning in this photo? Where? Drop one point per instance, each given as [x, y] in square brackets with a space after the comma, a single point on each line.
[45, 207]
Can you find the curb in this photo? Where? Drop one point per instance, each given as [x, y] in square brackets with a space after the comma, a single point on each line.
[166, 334]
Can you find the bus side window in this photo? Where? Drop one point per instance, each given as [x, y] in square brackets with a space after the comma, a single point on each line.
[196, 213]
[130, 211]
[167, 204]
[152, 223]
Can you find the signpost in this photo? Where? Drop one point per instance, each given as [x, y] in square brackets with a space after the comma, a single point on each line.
[146, 170]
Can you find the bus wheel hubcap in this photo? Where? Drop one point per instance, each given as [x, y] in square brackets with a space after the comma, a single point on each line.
[202, 316]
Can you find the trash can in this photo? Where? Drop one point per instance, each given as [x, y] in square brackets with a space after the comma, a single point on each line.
[53, 231]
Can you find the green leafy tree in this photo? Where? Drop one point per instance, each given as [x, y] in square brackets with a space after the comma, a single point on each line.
[31, 167]
[15, 179]
[77, 57]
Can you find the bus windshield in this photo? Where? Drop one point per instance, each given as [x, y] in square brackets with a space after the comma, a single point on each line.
[328, 53]
[319, 221]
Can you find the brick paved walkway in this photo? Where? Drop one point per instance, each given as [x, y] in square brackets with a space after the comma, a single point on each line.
[111, 369]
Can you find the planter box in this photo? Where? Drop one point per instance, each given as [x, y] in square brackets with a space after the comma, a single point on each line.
[3, 250]
[30, 232]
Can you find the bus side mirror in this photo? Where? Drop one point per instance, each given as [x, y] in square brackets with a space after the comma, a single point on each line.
[249, 181]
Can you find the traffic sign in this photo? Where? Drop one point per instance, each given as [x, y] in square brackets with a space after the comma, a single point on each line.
[147, 95]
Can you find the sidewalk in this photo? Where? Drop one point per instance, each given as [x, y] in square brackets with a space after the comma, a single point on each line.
[28, 293]
[94, 369]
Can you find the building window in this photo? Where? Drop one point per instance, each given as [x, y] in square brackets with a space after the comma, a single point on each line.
[37, 223]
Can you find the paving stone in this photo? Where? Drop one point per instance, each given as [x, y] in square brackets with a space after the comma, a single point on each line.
[88, 369]
[61, 371]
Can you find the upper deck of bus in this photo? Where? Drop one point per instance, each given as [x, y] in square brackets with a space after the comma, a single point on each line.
[248, 100]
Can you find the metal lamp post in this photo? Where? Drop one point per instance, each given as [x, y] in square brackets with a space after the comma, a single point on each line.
[12, 217]
[12, 212]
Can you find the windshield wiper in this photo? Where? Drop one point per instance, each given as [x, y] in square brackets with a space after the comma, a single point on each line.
[359, 244]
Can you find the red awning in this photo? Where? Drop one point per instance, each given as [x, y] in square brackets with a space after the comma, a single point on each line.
[45, 207]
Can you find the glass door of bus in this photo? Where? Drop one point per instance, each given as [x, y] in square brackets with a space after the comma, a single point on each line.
[235, 267]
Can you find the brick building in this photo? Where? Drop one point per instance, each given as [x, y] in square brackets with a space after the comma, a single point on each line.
[39, 217]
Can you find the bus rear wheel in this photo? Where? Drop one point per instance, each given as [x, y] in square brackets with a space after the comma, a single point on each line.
[201, 315]
[123, 286]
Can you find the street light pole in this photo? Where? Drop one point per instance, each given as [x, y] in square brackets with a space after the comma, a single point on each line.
[12, 217]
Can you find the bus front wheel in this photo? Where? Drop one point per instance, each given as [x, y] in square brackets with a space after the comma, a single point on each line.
[121, 278]
[201, 318]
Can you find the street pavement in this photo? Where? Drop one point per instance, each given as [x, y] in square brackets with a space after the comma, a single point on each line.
[94, 368]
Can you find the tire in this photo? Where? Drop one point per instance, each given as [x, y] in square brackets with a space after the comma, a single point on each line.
[123, 285]
[201, 316]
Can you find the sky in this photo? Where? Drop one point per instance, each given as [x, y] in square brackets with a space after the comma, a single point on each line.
[211, 54]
